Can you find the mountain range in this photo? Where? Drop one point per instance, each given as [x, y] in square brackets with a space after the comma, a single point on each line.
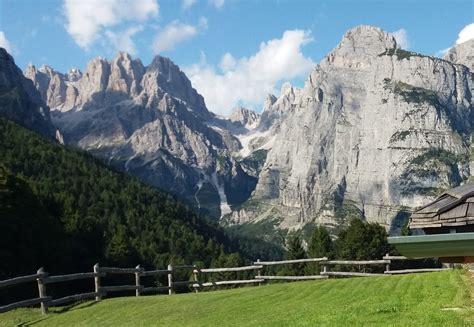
[375, 131]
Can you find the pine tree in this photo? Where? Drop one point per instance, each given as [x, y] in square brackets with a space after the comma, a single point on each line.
[362, 241]
[320, 244]
[295, 250]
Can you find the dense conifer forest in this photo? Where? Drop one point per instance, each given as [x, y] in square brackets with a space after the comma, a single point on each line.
[65, 210]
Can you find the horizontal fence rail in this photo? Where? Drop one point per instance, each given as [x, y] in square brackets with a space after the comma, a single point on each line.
[197, 283]
[212, 270]
[65, 278]
[284, 262]
[111, 270]
[18, 280]
[395, 257]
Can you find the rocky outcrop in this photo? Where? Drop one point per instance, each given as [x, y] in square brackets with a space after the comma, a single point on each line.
[462, 54]
[376, 131]
[150, 122]
[244, 118]
[20, 101]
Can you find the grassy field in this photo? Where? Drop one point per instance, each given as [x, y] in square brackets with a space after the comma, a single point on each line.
[434, 299]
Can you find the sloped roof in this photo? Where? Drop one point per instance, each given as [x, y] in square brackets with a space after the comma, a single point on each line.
[453, 208]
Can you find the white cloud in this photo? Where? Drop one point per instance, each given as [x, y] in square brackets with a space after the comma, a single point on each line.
[174, 33]
[4, 43]
[247, 81]
[227, 62]
[441, 53]
[122, 41]
[401, 36]
[466, 34]
[217, 3]
[186, 4]
[87, 19]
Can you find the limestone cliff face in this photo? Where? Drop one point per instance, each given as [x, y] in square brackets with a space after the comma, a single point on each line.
[148, 121]
[462, 54]
[375, 131]
[20, 101]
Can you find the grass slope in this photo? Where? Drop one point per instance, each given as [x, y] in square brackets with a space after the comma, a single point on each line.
[410, 300]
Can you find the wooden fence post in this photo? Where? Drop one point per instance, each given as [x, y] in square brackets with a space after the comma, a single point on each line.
[97, 283]
[42, 290]
[196, 280]
[259, 271]
[387, 266]
[170, 279]
[137, 281]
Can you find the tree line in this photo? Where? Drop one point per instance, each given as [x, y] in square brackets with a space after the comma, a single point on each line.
[63, 209]
[359, 240]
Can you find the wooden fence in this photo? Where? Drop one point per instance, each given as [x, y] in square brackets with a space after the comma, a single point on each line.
[42, 278]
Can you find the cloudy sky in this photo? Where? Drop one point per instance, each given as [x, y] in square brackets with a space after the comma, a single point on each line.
[234, 51]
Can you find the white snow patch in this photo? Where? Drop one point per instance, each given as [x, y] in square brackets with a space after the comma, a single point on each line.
[127, 163]
[225, 208]
[199, 186]
[246, 139]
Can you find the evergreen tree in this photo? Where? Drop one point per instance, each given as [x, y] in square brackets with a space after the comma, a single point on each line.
[295, 250]
[362, 241]
[320, 244]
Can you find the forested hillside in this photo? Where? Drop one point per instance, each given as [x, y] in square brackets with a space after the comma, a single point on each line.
[65, 210]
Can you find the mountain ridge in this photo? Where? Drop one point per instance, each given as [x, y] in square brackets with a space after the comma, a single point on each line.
[375, 131]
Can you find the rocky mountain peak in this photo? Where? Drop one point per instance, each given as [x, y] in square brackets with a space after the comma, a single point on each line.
[125, 75]
[74, 74]
[462, 53]
[47, 70]
[245, 117]
[96, 76]
[164, 76]
[269, 101]
[368, 135]
[362, 43]
[286, 88]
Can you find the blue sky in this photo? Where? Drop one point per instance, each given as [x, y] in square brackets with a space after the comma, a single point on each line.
[234, 51]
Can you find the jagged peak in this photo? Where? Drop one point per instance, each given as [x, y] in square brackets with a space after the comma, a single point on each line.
[269, 101]
[122, 55]
[74, 74]
[163, 64]
[99, 60]
[286, 88]
[242, 111]
[365, 40]
[246, 117]
[47, 69]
